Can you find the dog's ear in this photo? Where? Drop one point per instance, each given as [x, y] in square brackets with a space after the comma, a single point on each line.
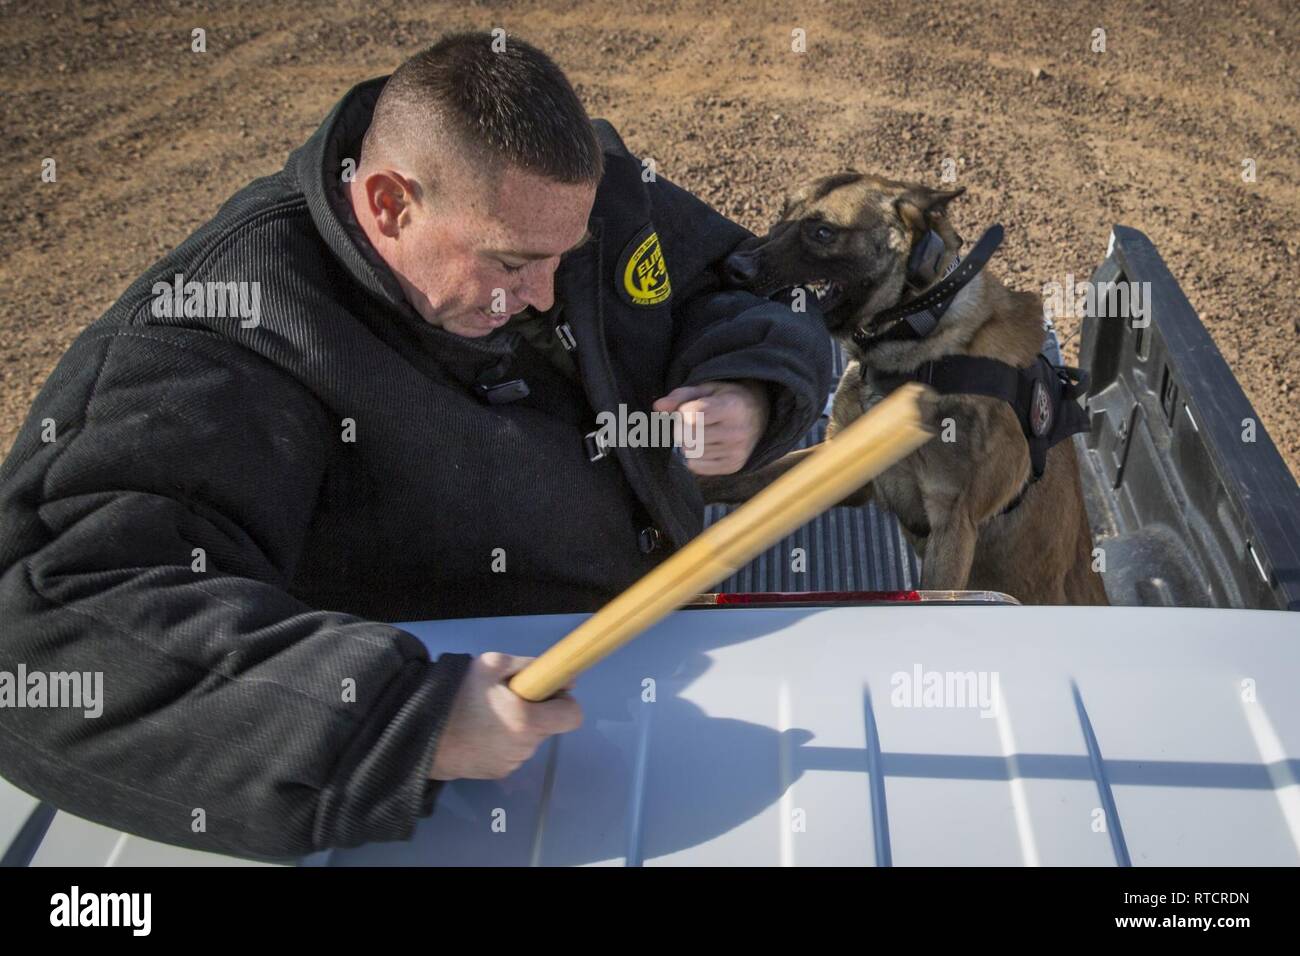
[919, 203]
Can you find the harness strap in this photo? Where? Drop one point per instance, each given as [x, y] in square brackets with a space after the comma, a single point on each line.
[1043, 396]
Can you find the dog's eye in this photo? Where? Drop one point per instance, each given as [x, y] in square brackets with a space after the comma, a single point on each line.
[823, 234]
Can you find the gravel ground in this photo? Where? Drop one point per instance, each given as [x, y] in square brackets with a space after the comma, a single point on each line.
[1054, 140]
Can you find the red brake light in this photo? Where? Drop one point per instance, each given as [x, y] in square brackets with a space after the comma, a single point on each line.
[814, 597]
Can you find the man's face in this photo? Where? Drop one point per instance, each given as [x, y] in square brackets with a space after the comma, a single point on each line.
[471, 257]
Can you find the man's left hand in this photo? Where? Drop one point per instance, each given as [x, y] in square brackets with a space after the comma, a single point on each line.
[733, 417]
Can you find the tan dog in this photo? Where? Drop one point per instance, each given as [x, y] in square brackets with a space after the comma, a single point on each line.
[966, 501]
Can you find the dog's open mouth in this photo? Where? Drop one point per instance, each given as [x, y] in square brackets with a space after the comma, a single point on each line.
[827, 291]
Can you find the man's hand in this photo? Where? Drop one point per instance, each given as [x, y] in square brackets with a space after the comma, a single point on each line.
[491, 730]
[734, 417]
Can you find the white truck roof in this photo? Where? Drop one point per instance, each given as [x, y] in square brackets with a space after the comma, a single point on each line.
[904, 735]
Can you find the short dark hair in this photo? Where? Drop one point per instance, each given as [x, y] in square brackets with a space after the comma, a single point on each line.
[513, 107]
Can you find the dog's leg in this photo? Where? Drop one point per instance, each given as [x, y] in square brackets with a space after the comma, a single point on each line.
[966, 482]
[734, 489]
[949, 553]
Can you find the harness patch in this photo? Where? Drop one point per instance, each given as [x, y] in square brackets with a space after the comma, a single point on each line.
[642, 274]
[1040, 410]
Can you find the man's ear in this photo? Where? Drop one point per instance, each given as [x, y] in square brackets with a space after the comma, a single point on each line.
[389, 196]
[919, 204]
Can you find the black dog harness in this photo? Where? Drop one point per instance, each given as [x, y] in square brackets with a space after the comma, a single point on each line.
[1043, 396]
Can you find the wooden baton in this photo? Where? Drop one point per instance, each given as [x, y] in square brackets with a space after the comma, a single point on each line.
[886, 434]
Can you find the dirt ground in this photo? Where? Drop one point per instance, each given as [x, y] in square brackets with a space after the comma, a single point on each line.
[1050, 138]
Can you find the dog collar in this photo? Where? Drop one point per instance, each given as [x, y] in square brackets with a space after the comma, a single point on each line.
[920, 317]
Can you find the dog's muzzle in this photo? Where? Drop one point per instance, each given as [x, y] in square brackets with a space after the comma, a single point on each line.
[741, 269]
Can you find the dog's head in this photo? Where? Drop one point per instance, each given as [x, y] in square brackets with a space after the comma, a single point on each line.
[858, 242]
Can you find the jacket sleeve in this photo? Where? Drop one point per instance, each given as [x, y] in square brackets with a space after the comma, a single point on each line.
[153, 509]
[726, 334]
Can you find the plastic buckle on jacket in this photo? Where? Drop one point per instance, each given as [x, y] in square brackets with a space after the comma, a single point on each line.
[596, 448]
[564, 332]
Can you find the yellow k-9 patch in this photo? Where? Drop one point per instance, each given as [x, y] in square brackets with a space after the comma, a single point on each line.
[643, 271]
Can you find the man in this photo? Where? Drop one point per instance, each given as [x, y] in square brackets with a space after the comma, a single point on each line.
[311, 418]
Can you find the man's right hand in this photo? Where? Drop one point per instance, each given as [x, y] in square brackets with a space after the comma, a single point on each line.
[492, 730]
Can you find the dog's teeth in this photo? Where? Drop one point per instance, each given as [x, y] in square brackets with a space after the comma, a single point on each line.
[823, 288]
